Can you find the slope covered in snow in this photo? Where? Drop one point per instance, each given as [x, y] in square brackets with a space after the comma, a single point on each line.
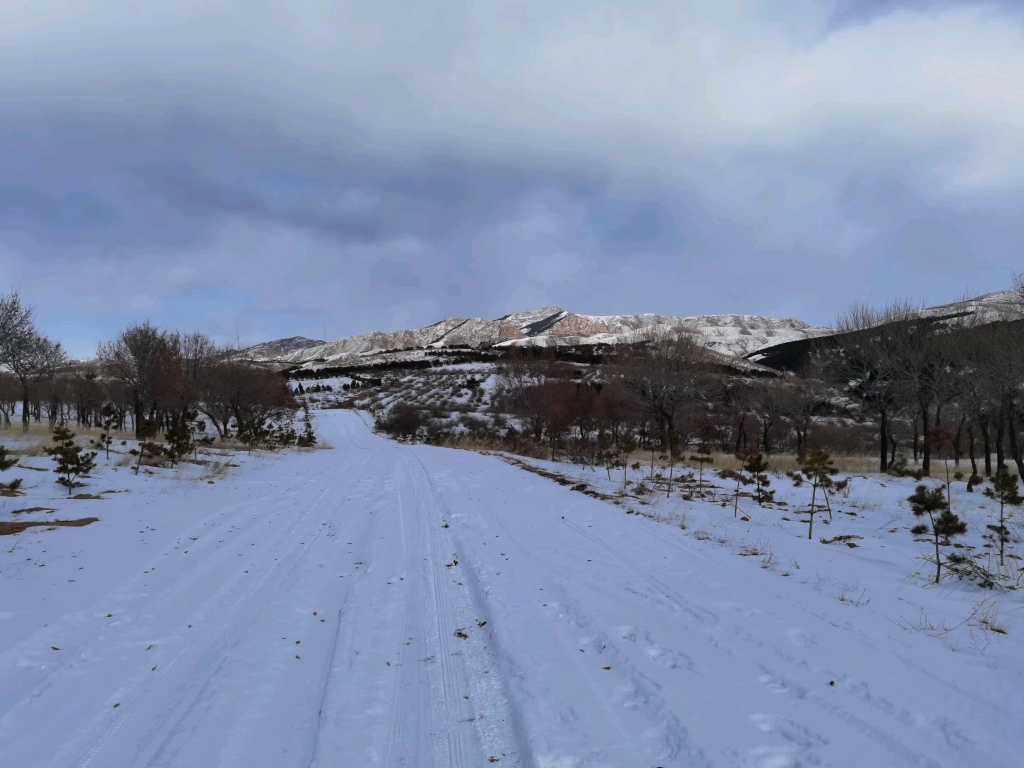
[734, 335]
[390, 605]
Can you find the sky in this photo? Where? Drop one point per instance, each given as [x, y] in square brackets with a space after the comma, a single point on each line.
[257, 170]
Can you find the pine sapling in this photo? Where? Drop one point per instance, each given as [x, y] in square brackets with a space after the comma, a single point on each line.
[308, 437]
[106, 437]
[146, 450]
[627, 444]
[702, 457]
[756, 467]
[179, 441]
[72, 460]
[741, 480]
[674, 455]
[12, 488]
[944, 524]
[1004, 490]
[818, 471]
[6, 460]
[942, 440]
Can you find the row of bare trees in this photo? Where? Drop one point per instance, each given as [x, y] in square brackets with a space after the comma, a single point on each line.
[952, 382]
[165, 376]
[155, 378]
[669, 391]
[958, 378]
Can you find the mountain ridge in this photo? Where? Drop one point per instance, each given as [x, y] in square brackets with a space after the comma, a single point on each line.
[732, 334]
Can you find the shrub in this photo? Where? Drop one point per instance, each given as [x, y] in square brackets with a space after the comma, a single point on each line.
[401, 420]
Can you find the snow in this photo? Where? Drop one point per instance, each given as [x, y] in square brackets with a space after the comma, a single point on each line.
[385, 604]
[734, 335]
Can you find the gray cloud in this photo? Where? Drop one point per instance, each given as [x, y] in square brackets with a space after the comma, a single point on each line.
[263, 177]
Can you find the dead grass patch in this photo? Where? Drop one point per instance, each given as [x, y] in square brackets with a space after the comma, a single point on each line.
[217, 469]
[558, 478]
[32, 509]
[10, 528]
[87, 497]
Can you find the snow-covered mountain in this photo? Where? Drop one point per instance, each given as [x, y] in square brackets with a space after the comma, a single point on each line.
[988, 308]
[735, 335]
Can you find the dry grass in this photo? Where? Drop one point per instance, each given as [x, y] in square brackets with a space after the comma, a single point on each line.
[32, 509]
[780, 462]
[217, 469]
[32, 441]
[9, 528]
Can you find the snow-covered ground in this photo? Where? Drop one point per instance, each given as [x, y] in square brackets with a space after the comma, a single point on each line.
[383, 604]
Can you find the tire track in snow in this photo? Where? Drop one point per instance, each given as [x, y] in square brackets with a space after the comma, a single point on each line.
[409, 721]
[229, 607]
[486, 724]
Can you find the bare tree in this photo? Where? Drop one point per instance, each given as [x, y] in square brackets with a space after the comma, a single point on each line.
[799, 402]
[663, 373]
[766, 401]
[23, 350]
[521, 381]
[865, 358]
[244, 391]
[189, 356]
[138, 359]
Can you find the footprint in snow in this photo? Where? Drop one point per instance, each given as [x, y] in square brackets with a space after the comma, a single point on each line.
[793, 732]
[801, 638]
[771, 757]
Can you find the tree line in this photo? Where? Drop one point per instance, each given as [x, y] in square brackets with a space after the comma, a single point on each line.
[148, 380]
[892, 380]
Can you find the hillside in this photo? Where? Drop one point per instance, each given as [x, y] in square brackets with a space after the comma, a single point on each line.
[735, 335]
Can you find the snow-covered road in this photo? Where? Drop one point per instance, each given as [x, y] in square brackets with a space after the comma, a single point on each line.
[381, 604]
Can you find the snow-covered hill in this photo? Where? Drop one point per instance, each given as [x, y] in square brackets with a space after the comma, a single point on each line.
[735, 335]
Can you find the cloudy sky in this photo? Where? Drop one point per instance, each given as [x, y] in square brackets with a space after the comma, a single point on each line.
[266, 169]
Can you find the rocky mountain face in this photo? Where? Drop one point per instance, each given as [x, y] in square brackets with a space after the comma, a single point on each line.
[735, 335]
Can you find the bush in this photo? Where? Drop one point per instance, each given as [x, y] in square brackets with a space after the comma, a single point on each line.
[401, 420]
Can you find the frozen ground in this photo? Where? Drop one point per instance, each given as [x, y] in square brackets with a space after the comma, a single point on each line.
[381, 604]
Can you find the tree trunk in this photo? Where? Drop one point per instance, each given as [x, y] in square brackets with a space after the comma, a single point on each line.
[987, 446]
[883, 436]
[956, 442]
[24, 405]
[1011, 429]
[810, 526]
[1000, 432]
[1002, 531]
[926, 447]
[970, 439]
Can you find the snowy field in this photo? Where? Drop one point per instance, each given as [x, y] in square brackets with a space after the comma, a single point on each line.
[383, 604]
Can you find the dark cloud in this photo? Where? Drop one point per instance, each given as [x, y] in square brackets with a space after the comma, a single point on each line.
[228, 224]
